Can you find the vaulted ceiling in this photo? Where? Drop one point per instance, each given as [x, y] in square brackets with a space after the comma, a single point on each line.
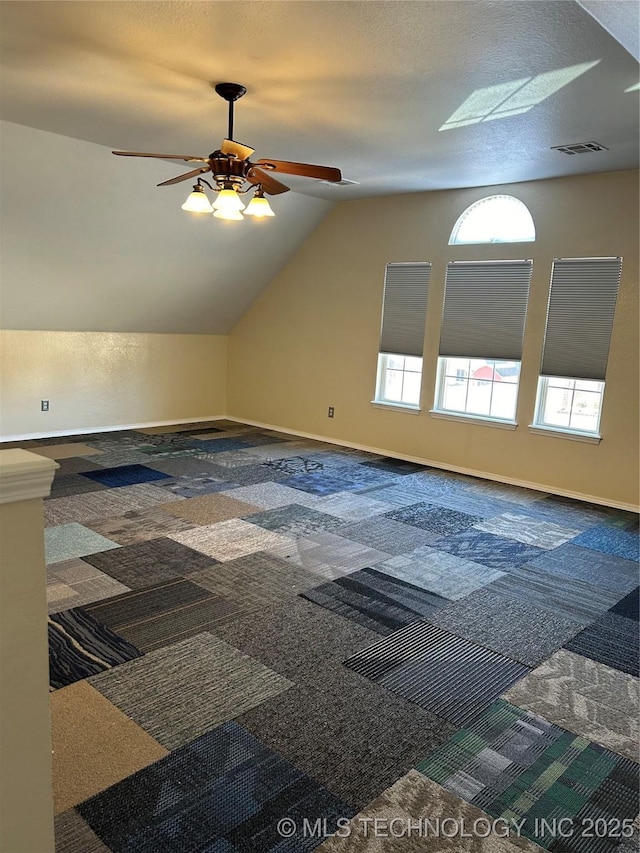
[402, 96]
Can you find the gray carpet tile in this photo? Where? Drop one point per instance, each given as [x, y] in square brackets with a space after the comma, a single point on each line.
[230, 459]
[193, 486]
[445, 574]
[250, 475]
[355, 740]
[613, 640]
[481, 505]
[434, 518]
[230, 539]
[504, 492]
[445, 674]
[73, 484]
[585, 697]
[327, 555]
[150, 562]
[272, 495]
[351, 507]
[164, 613]
[117, 458]
[110, 502]
[139, 525]
[565, 596]
[65, 541]
[517, 630]
[74, 465]
[183, 691]
[396, 466]
[72, 583]
[255, 580]
[120, 440]
[571, 512]
[496, 552]
[295, 521]
[594, 567]
[532, 531]
[190, 466]
[74, 835]
[375, 600]
[386, 534]
[416, 815]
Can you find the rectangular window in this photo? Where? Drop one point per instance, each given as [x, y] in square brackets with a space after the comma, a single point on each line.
[483, 319]
[404, 308]
[580, 311]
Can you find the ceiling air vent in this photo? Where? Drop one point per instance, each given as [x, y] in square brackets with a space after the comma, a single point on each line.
[579, 148]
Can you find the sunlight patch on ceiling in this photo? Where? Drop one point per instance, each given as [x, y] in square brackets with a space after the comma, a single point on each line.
[634, 88]
[514, 97]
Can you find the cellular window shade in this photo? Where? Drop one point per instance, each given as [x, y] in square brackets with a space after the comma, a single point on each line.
[404, 309]
[582, 302]
[485, 305]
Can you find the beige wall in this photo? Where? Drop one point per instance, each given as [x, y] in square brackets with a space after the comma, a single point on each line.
[98, 379]
[310, 340]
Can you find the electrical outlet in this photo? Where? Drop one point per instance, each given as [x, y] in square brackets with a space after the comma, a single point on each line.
[331, 411]
[44, 405]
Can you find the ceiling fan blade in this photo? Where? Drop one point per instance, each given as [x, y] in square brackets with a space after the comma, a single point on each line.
[268, 184]
[242, 152]
[322, 173]
[186, 176]
[185, 157]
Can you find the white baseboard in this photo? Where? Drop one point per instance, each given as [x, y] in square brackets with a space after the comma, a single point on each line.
[116, 428]
[457, 469]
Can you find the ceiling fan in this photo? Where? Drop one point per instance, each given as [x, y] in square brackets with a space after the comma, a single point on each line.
[232, 169]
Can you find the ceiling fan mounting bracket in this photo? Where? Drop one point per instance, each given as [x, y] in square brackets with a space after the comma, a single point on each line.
[230, 91]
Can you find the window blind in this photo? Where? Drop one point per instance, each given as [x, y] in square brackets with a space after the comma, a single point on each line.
[404, 308]
[582, 302]
[485, 305]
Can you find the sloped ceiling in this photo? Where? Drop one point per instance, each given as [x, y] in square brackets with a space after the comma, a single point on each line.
[403, 96]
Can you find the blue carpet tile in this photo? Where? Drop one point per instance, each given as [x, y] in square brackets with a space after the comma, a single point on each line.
[437, 519]
[442, 673]
[377, 601]
[629, 605]
[613, 640]
[317, 482]
[80, 646]
[611, 540]
[223, 792]
[295, 465]
[395, 466]
[125, 475]
[489, 550]
[595, 567]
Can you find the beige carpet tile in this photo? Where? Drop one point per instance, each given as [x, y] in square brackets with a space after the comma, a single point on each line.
[327, 555]
[259, 578]
[72, 583]
[230, 539]
[103, 504]
[209, 509]
[272, 495]
[397, 820]
[94, 745]
[74, 835]
[585, 697]
[139, 525]
[186, 689]
[65, 451]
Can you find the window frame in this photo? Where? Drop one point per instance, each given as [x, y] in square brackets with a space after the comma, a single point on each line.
[539, 424]
[380, 399]
[439, 410]
[475, 207]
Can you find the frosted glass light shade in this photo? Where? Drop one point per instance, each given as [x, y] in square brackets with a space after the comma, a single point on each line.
[259, 207]
[197, 202]
[228, 200]
[228, 214]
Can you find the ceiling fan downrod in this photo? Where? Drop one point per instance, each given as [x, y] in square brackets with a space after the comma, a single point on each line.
[231, 92]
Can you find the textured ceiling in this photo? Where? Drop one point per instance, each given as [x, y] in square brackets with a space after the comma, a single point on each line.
[402, 96]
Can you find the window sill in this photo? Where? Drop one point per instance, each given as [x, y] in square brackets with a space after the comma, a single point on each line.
[396, 407]
[472, 419]
[572, 435]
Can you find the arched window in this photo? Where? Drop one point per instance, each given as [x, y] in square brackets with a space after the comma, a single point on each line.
[494, 219]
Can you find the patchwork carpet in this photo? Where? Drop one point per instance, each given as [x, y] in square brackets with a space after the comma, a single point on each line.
[258, 640]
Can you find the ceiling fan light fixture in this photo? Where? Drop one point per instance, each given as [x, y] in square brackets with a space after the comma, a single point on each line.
[259, 206]
[228, 200]
[228, 214]
[197, 201]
